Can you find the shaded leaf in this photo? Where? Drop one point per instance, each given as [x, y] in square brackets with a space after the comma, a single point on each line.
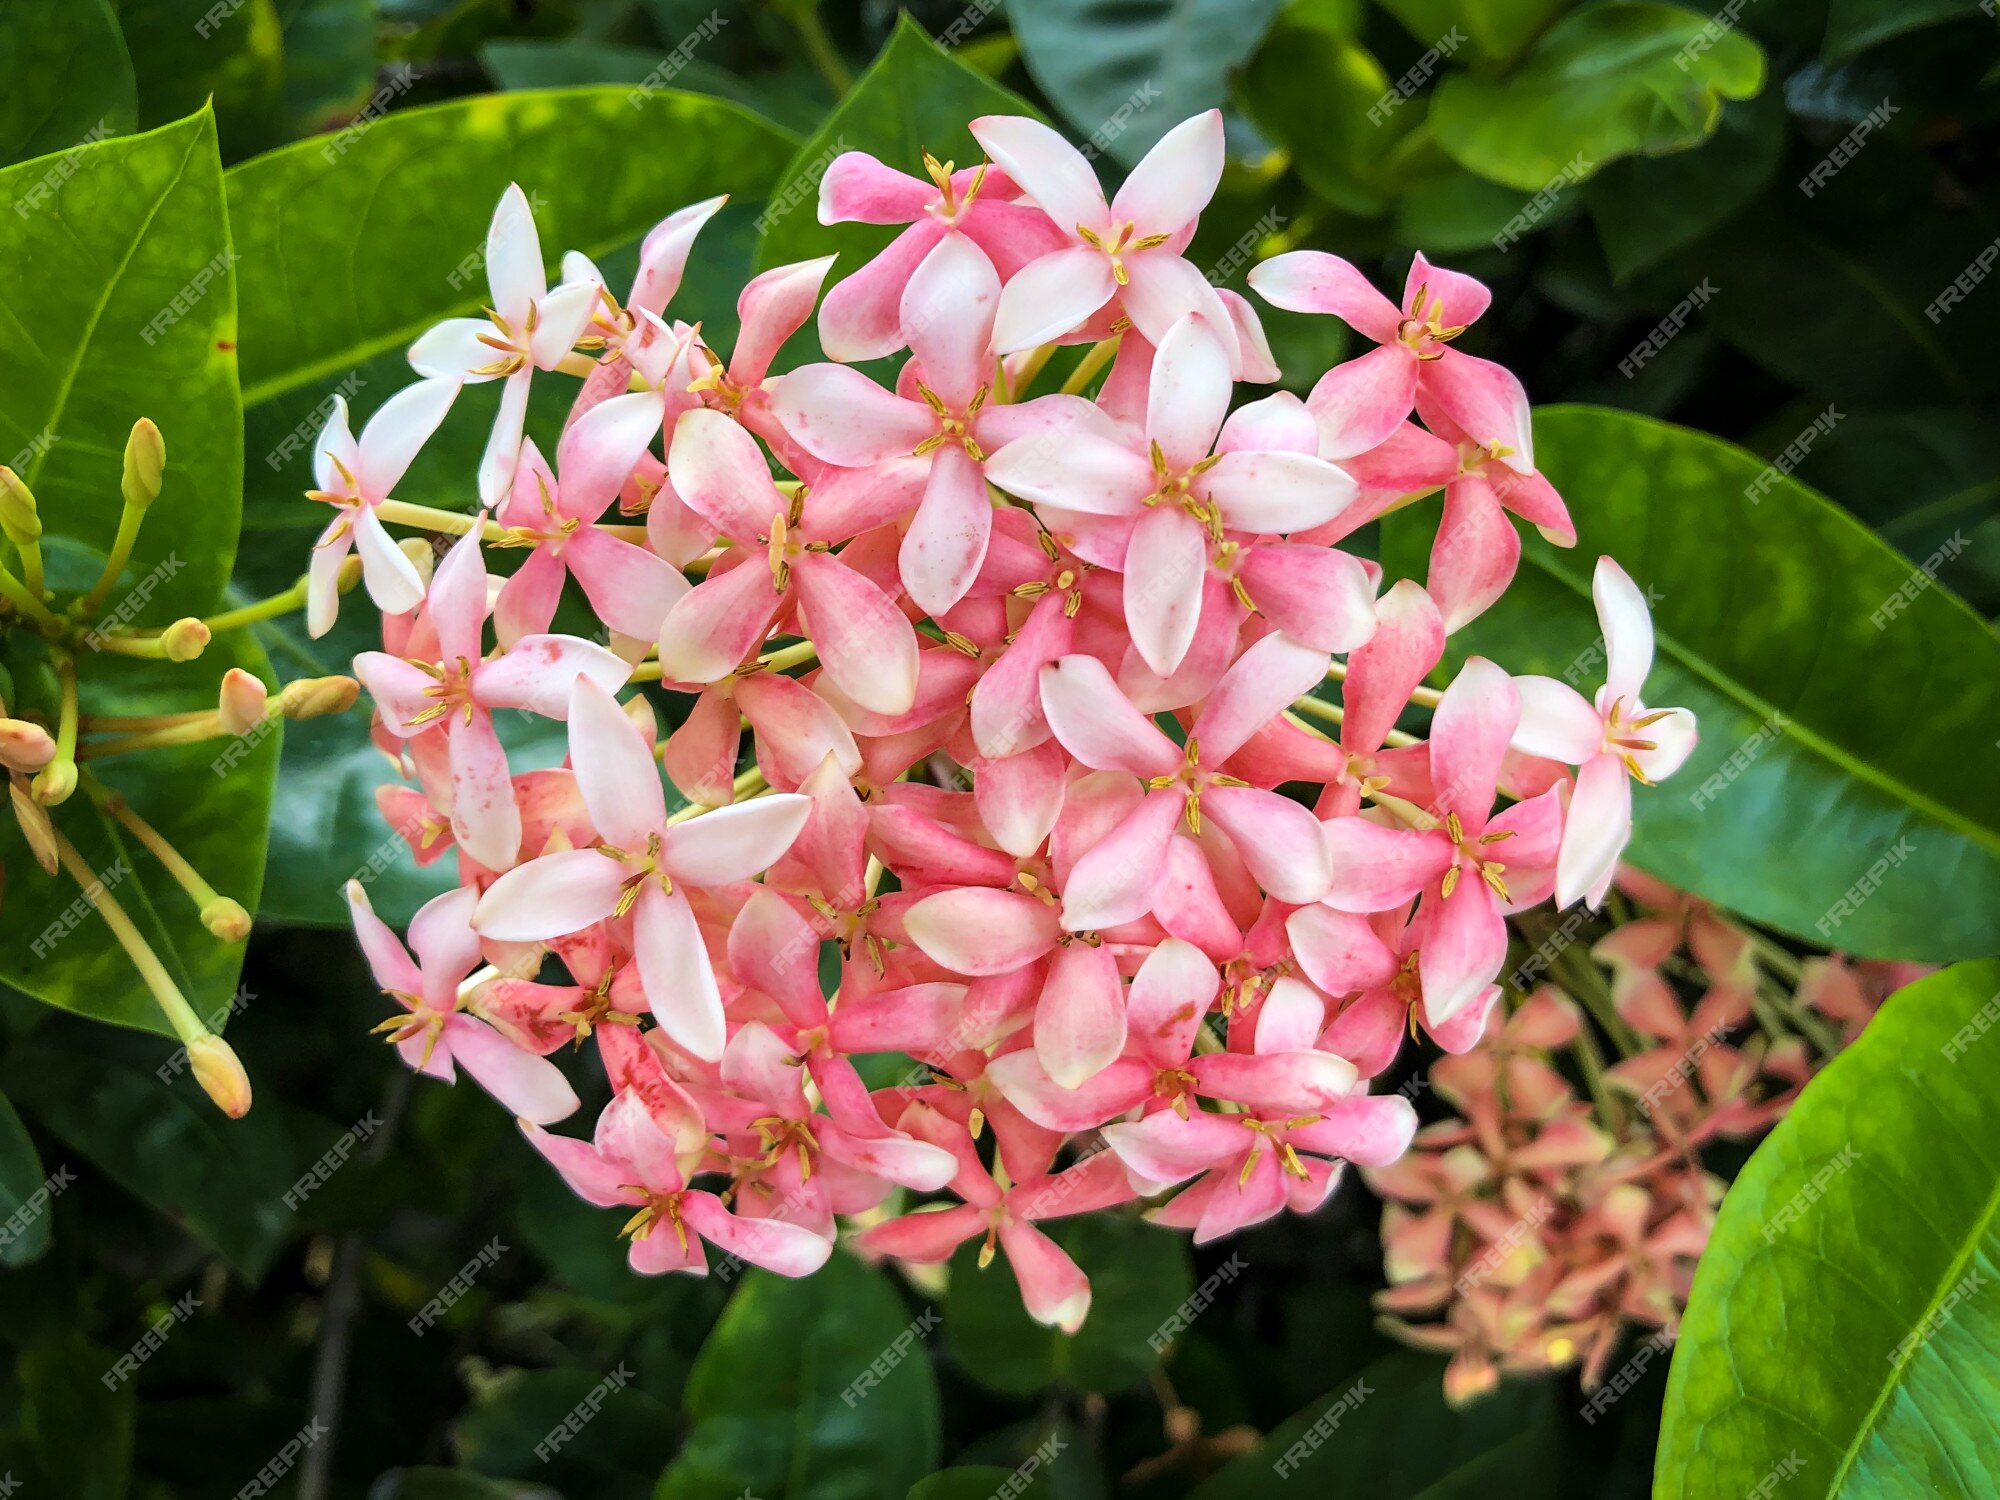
[69, 78]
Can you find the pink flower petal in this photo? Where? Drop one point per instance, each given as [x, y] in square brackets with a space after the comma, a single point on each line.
[1469, 733]
[1281, 843]
[866, 643]
[718, 623]
[838, 414]
[1312, 281]
[1046, 168]
[1319, 596]
[946, 542]
[1165, 563]
[1377, 868]
[1173, 182]
[614, 768]
[531, 1088]
[1360, 404]
[674, 967]
[1080, 1018]
[484, 815]
[1052, 297]
[1463, 949]
[1096, 723]
[1339, 951]
[975, 931]
[735, 843]
[549, 897]
[1263, 682]
[947, 314]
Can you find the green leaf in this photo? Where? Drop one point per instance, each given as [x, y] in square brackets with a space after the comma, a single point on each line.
[512, 1432]
[329, 63]
[211, 801]
[913, 98]
[351, 253]
[1854, 25]
[519, 63]
[445, 1484]
[103, 250]
[1322, 97]
[229, 55]
[80, 1432]
[1138, 1276]
[1646, 208]
[1125, 72]
[22, 1183]
[1496, 29]
[1847, 784]
[977, 1482]
[815, 1389]
[1842, 1330]
[222, 1180]
[69, 78]
[1604, 82]
[1392, 1426]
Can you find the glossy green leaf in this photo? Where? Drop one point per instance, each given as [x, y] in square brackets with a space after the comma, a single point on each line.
[1139, 1276]
[353, 247]
[1328, 102]
[1854, 25]
[518, 63]
[211, 801]
[1645, 208]
[513, 1431]
[69, 78]
[228, 53]
[978, 1482]
[80, 1431]
[913, 98]
[1847, 784]
[122, 304]
[816, 1389]
[1606, 81]
[329, 63]
[222, 1180]
[24, 1224]
[1842, 1331]
[1494, 28]
[1388, 1434]
[443, 1484]
[1125, 72]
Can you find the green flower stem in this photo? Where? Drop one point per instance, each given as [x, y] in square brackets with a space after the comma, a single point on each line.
[819, 47]
[180, 1015]
[204, 726]
[1086, 370]
[221, 915]
[29, 604]
[1429, 697]
[264, 609]
[129, 521]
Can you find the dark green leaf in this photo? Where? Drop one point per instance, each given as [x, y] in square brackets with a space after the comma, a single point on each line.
[211, 801]
[122, 304]
[1842, 1331]
[816, 1389]
[222, 1180]
[1389, 1435]
[24, 1193]
[526, 64]
[1646, 208]
[1847, 785]
[1606, 81]
[913, 98]
[516, 1431]
[447, 1484]
[81, 1431]
[1125, 72]
[1495, 28]
[1328, 102]
[69, 78]
[227, 53]
[1854, 25]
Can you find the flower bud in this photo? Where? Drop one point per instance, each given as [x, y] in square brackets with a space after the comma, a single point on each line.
[220, 1074]
[55, 782]
[35, 826]
[226, 919]
[185, 639]
[242, 707]
[145, 461]
[349, 577]
[311, 697]
[18, 517]
[25, 747]
[422, 556]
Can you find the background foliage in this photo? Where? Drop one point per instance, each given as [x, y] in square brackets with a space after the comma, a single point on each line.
[1723, 247]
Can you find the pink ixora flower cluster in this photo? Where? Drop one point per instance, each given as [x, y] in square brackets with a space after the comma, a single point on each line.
[1536, 1230]
[1023, 675]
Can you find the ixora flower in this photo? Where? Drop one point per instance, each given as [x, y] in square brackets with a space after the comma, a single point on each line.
[1028, 674]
